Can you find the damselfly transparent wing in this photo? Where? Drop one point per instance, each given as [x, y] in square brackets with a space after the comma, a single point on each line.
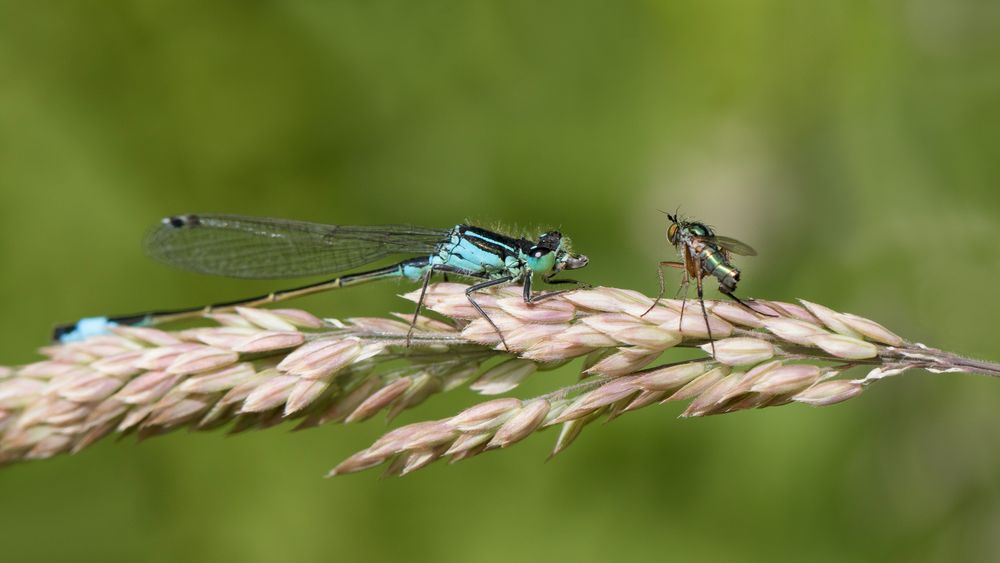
[263, 248]
[732, 245]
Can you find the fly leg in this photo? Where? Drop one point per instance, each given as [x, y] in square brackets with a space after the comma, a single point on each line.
[490, 283]
[682, 292]
[732, 296]
[704, 313]
[663, 288]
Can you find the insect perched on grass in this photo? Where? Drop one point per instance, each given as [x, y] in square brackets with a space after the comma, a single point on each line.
[262, 248]
[703, 253]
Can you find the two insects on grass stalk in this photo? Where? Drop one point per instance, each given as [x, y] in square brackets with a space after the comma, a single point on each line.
[264, 248]
[259, 367]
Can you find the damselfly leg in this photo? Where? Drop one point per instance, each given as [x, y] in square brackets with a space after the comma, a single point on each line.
[486, 284]
[420, 302]
[579, 284]
[532, 299]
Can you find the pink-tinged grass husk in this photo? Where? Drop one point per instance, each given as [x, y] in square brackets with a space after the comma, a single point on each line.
[254, 368]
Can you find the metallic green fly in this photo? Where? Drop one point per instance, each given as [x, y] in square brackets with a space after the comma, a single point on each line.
[703, 254]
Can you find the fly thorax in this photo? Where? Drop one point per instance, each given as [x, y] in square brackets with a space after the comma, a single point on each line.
[699, 230]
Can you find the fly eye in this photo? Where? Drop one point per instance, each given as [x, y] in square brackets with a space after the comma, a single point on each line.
[538, 252]
[672, 232]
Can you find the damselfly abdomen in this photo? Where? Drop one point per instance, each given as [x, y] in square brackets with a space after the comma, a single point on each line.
[262, 248]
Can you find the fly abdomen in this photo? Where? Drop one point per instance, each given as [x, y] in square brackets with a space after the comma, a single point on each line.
[727, 284]
[714, 263]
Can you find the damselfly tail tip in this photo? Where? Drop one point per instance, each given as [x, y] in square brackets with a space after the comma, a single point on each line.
[60, 332]
[82, 329]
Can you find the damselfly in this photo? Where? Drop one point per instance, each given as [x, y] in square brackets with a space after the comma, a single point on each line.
[262, 248]
[703, 253]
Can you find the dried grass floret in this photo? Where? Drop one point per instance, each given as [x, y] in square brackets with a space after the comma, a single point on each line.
[254, 368]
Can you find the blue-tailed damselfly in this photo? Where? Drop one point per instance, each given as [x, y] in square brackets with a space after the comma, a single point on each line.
[263, 248]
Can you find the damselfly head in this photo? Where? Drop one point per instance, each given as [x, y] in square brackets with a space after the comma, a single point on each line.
[551, 254]
[551, 240]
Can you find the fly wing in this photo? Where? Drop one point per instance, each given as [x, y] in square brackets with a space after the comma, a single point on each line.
[733, 245]
[262, 248]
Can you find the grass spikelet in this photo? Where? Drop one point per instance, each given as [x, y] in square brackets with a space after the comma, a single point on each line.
[254, 368]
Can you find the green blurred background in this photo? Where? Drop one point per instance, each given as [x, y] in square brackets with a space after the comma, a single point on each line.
[855, 144]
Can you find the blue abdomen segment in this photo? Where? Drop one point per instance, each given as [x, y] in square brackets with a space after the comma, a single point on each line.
[414, 270]
[85, 328]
